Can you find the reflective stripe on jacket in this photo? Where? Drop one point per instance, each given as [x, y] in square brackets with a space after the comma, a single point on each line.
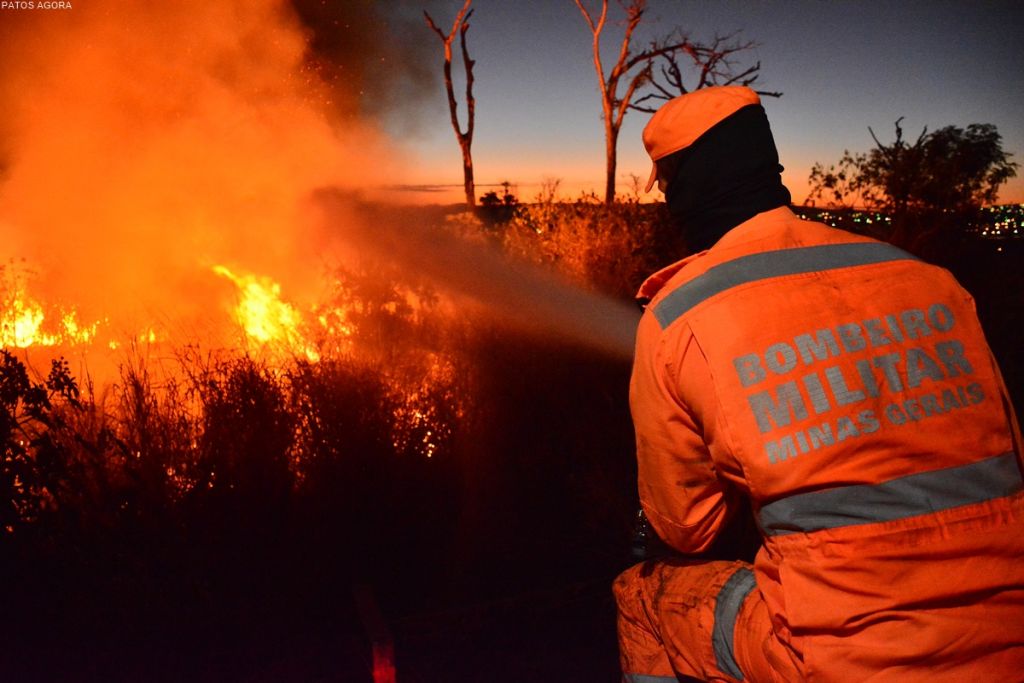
[847, 389]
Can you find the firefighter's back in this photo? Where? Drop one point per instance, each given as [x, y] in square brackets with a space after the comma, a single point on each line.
[858, 405]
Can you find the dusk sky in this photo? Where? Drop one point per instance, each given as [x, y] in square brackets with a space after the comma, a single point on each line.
[842, 66]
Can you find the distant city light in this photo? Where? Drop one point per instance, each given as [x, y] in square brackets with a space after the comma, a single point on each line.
[1000, 222]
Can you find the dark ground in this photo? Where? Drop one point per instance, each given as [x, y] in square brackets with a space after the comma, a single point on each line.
[566, 633]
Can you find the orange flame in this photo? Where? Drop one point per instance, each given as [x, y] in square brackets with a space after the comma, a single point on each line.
[265, 317]
[23, 323]
[173, 160]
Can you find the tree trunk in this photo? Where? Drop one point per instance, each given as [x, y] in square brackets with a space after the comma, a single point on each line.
[467, 175]
[611, 137]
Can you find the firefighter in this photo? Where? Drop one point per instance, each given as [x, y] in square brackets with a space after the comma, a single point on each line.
[843, 390]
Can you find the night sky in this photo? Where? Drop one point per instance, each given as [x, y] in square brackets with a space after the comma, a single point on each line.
[842, 66]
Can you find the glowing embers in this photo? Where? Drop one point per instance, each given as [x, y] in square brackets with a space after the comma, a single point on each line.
[429, 404]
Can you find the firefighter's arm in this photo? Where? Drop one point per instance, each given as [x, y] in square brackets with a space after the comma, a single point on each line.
[681, 493]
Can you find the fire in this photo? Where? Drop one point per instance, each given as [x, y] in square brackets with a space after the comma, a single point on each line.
[170, 157]
[335, 331]
[426, 404]
[172, 161]
[149, 336]
[265, 317]
[260, 311]
[429, 405]
[75, 331]
[24, 323]
[21, 325]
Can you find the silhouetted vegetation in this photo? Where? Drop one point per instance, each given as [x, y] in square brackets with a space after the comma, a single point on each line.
[933, 188]
[495, 208]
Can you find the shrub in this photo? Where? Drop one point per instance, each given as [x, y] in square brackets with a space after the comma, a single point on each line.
[608, 248]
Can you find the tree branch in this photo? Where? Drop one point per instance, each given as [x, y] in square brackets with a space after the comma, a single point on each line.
[712, 63]
[588, 18]
[433, 26]
[637, 81]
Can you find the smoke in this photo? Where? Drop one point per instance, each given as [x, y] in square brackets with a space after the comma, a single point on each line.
[142, 143]
[145, 143]
[380, 49]
[528, 298]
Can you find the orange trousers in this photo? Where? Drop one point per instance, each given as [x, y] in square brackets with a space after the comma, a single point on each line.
[698, 619]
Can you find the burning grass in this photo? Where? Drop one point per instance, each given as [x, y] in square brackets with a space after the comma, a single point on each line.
[24, 321]
[424, 452]
[333, 404]
[384, 369]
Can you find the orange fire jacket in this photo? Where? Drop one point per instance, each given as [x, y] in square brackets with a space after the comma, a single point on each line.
[847, 390]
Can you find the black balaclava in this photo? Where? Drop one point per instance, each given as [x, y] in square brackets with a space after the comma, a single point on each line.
[728, 175]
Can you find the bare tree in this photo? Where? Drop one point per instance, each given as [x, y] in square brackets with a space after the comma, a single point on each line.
[715, 64]
[465, 138]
